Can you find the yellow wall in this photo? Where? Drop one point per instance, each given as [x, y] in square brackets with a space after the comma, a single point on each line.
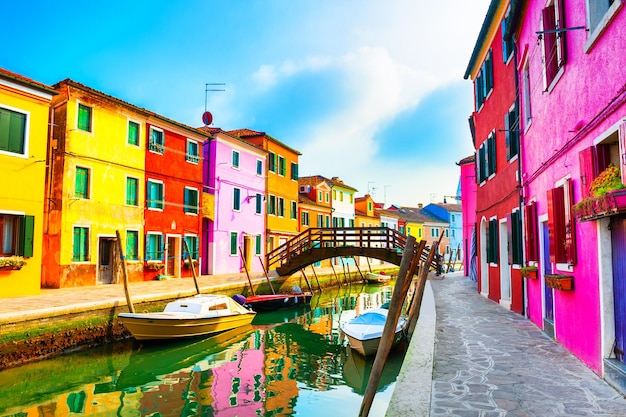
[414, 230]
[110, 160]
[22, 190]
[285, 187]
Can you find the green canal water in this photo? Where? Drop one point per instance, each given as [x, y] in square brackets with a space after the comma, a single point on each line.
[288, 363]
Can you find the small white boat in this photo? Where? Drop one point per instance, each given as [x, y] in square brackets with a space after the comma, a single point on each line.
[365, 330]
[372, 277]
[199, 315]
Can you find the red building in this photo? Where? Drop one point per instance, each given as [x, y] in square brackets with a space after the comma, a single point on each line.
[496, 135]
[173, 197]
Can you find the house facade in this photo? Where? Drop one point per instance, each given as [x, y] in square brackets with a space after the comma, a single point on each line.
[24, 119]
[468, 214]
[564, 48]
[314, 205]
[454, 232]
[234, 235]
[281, 186]
[495, 134]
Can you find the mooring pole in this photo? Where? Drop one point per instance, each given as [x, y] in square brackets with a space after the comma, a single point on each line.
[245, 267]
[267, 277]
[193, 268]
[129, 302]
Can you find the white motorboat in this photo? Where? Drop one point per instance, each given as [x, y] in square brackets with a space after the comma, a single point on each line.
[365, 330]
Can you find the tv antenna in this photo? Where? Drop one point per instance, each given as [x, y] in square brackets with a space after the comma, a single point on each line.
[207, 117]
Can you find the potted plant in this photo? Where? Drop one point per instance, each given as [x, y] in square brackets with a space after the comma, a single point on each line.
[155, 266]
[608, 196]
[186, 263]
[529, 272]
[561, 282]
[11, 262]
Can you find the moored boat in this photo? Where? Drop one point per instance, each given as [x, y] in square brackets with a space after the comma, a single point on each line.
[271, 302]
[365, 330]
[374, 278]
[202, 314]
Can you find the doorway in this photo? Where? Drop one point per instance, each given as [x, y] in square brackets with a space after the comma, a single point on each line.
[106, 247]
[618, 244]
[548, 293]
[173, 254]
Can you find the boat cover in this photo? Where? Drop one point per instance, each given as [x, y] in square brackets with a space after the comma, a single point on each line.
[369, 325]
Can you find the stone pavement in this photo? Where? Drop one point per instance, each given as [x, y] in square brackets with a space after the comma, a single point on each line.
[490, 362]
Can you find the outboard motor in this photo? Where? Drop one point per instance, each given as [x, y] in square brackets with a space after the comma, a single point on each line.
[240, 299]
[296, 290]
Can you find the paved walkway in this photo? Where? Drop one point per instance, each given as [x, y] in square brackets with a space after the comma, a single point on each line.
[491, 362]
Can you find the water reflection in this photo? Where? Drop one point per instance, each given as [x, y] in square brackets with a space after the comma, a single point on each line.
[291, 362]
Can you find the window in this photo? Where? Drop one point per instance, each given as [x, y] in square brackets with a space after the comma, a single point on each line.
[484, 81]
[259, 204]
[492, 242]
[280, 210]
[271, 205]
[528, 116]
[154, 247]
[132, 191]
[507, 45]
[320, 220]
[351, 197]
[80, 250]
[156, 141]
[155, 197]
[514, 231]
[235, 159]
[561, 223]
[334, 194]
[192, 153]
[326, 194]
[13, 137]
[192, 245]
[486, 158]
[511, 127]
[531, 229]
[294, 171]
[233, 243]
[282, 166]
[16, 235]
[293, 214]
[271, 161]
[369, 206]
[84, 118]
[447, 233]
[82, 183]
[236, 199]
[305, 218]
[132, 245]
[191, 200]
[553, 41]
[133, 133]
[351, 222]
[452, 218]
[599, 14]
[327, 222]
[259, 167]
[419, 232]
[340, 195]
[434, 232]
[257, 245]
[592, 161]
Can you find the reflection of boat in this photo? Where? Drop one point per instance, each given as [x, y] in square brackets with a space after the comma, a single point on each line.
[365, 330]
[151, 361]
[271, 302]
[356, 370]
[270, 319]
[199, 315]
[374, 278]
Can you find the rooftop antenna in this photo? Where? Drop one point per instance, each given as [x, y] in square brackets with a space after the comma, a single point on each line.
[207, 117]
[371, 189]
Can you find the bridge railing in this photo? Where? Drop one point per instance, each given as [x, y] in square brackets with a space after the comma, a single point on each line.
[365, 237]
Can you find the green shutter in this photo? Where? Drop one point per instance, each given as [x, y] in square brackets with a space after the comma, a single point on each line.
[133, 133]
[27, 233]
[233, 243]
[82, 183]
[84, 118]
[12, 131]
[257, 244]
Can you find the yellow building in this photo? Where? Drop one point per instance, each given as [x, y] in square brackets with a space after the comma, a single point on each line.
[282, 186]
[96, 187]
[24, 118]
[364, 215]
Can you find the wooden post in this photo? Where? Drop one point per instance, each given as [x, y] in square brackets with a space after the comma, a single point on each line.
[129, 302]
[416, 302]
[267, 277]
[193, 268]
[245, 267]
[408, 266]
[368, 264]
[334, 272]
[307, 280]
[359, 269]
[316, 278]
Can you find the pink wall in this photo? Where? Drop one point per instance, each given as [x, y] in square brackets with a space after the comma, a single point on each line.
[571, 113]
[468, 196]
[223, 178]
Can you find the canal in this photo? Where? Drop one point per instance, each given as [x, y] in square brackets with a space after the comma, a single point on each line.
[288, 363]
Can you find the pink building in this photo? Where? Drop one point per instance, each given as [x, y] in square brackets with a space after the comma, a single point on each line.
[468, 206]
[234, 182]
[572, 84]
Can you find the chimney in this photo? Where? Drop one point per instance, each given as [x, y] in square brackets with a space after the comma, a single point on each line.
[420, 205]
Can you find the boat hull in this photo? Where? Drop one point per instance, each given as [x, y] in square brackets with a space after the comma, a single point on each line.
[154, 327]
[369, 347]
[377, 278]
[273, 302]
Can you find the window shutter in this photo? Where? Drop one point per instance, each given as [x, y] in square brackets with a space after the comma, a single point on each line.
[27, 233]
[531, 226]
[586, 159]
[556, 225]
[514, 127]
[570, 222]
[549, 44]
[560, 37]
[622, 151]
[491, 155]
[507, 135]
[509, 235]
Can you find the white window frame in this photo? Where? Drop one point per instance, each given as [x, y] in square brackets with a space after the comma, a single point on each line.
[26, 153]
[147, 188]
[159, 149]
[603, 23]
[128, 122]
[197, 208]
[192, 159]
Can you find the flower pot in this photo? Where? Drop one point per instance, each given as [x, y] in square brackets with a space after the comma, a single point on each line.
[560, 282]
[530, 273]
[10, 268]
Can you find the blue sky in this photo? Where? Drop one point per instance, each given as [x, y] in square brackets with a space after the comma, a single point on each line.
[370, 91]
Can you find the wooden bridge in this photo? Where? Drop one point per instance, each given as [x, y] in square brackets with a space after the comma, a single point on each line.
[316, 244]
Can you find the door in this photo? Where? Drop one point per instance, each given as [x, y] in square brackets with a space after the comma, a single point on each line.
[618, 244]
[505, 269]
[548, 293]
[247, 251]
[173, 257]
[106, 246]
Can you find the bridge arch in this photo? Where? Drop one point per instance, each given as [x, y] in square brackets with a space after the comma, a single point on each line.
[316, 244]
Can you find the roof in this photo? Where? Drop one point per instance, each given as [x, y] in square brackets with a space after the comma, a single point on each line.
[386, 213]
[314, 180]
[482, 37]
[450, 207]
[467, 160]
[418, 215]
[142, 110]
[218, 131]
[304, 199]
[249, 133]
[27, 82]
